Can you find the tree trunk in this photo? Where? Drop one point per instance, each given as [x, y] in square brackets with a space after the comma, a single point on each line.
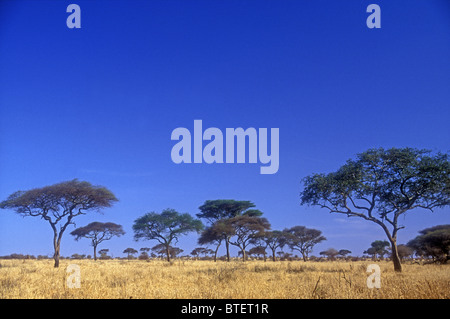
[56, 246]
[215, 252]
[95, 252]
[56, 258]
[273, 255]
[227, 245]
[304, 257]
[393, 240]
[168, 253]
[395, 257]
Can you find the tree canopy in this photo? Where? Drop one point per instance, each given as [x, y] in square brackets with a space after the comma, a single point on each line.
[303, 239]
[98, 232]
[166, 227]
[434, 242]
[382, 185]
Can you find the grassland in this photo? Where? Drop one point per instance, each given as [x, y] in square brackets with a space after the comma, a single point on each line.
[185, 279]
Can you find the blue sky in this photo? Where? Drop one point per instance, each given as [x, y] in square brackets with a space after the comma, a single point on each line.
[99, 104]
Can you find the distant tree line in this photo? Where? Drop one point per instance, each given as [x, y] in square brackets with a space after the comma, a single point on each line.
[378, 185]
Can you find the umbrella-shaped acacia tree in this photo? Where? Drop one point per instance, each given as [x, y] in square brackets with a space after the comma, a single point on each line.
[98, 232]
[59, 204]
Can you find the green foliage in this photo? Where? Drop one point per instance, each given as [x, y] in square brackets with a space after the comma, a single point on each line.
[303, 239]
[58, 204]
[166, 227]
[378, 247]
[434, 242]
[98, 231]
[213, 210]
[381, 185]
[393, 180]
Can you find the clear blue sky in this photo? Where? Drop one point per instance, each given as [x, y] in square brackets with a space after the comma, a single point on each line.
[99, 104]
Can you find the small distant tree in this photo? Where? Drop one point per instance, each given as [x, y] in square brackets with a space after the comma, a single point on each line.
[104, 254]
[303, 239]
[258, 251]
[78, 256]
[144, 253]
[166, 227]
[98, 232]
[208, 252]
[344, 252]
[130, 252]
[404, 251]
[197, 251]
[59, 204]
[330, 253]
[378, 247]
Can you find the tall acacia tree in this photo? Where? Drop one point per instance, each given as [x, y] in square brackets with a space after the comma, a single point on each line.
[381, 186]
[166, 227]
[59, 204]
[98, 232]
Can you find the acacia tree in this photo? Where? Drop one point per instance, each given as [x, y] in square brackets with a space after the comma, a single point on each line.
[130, 252]
[166, 227]
[161, 249]
[59, 204]
[104, 253]
[378, 247]
[215, 234]
[331, 253]
[344, 252]
[303, 239]
[258, 251]
[245, 228]
[273, 239]
[216, 212]
[98, 232]
[382, 185]
[433, 241]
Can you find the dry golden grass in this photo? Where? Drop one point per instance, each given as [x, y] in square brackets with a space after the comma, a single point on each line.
[206, 279]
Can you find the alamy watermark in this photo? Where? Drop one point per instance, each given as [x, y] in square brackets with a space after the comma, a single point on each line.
[74, 279]
[233, 148]
[374, 279]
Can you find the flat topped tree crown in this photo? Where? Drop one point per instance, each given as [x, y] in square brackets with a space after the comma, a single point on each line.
[59, 204]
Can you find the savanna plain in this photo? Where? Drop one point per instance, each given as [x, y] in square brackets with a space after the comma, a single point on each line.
[205, 279]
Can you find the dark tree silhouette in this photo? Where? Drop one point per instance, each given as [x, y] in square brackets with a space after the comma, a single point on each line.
[378, 247]
[130, 252]
[434, 242]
